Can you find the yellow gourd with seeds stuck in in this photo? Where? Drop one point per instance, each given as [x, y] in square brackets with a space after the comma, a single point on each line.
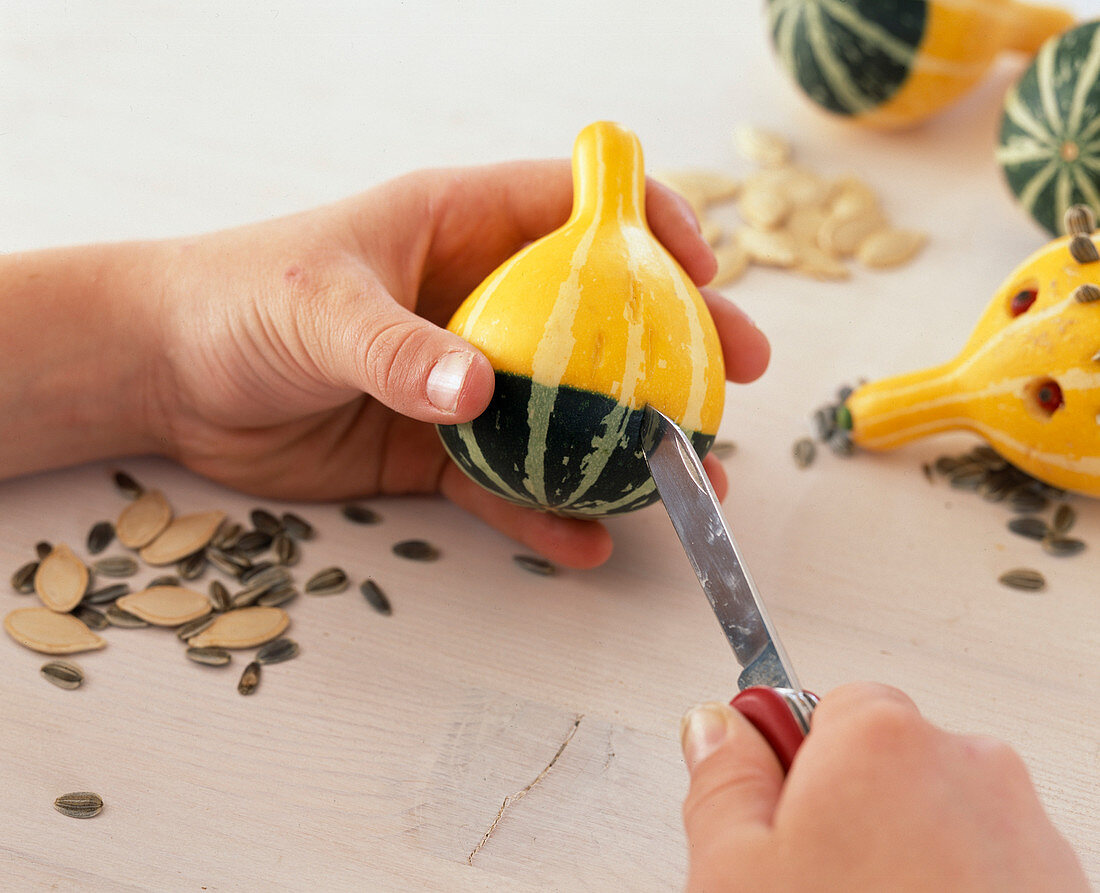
[584, 328]
[1028, 380]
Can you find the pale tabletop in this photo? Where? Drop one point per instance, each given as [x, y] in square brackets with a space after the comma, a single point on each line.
[502, 730]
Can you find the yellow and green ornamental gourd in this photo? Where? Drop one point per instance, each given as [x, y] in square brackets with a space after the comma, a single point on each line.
[584, 328]
[1028, 380]
[891, 63]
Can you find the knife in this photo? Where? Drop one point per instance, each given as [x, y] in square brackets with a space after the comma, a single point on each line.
[769, 694]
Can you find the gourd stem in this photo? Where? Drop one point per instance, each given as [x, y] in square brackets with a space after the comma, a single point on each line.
[1031, 25]
[893, 411]
[608, 175]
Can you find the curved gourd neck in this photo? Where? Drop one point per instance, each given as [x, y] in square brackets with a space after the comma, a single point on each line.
[1029, 25]
[608, 176]
[893, 411]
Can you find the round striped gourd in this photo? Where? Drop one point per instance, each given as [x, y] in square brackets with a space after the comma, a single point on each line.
[585, 327]
[1049, 143]
[890, 63]
[1028, 380]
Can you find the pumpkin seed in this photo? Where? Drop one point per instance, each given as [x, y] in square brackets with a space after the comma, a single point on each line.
[733, 261]
[804, 452]
[266, 522]
[244, 628]
[63, 674]
[227, 562]
[116, 566]
[93, 618]
[185, 535]
[23, 579]
[277, 651]
[535, 565]
[143, 520]
[376, 598]
[1079, 220]
[416, 550]
[327, 582]
[360, 514]
[1029, 526]
[194, 627]
[61, 579]
[250, 678]
[166, 605]
[252, 543]
[42, 549]
[211, 657]
[100, 536]
[219, 596]
[764, 207]
[79, 804]
[1086, 293]
[1062, 545]
[297, 527]
[106, 594]
[127, 486]
[50, 632]
[761, 146]
[122, 618]
[770, 249]
[1023, 578]
[1064, 518]
[286, 549]
[1083, 250]
[842, 234]
[280, 595]
[192, 567]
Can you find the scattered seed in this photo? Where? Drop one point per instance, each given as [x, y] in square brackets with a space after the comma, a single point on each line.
[967, 476]
[1064, 518]
[1029, 526]
[928, 472]
[723, 449]
[266, 522]
[841, 443]
[42, 549]
[250, 678]
[63, 674]
[194, 627]
[253, 543]
[219, 596]
[122, 618]
[143, 520]
[535, 565]
[804, 452]
[226, 562]
[286, 549]
[49, 632]
[1086, 293]
[1062, 546]
[377, 599]
[100, 536]
[211, 657]
[247, 596]
[106, 594]
[93, 618]
[297, 527]
[1083, 250]
[360, 514]
[1023, 578]
[192, 567]
[244, 628]
[889, 247]
[164, 580]
[127, 486]
[277, 651]
[327, 582]
[23, 579]
[227, 535]
[762, 146]
[61, 580]
[185, 535]
[1025, 499]
[166, 605]
[416, 550]
[116, 566]
[250, 574]
[278, 596]
[79, 804]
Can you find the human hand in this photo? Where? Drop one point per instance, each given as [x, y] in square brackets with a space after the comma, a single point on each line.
[304, 357]
[877, 799]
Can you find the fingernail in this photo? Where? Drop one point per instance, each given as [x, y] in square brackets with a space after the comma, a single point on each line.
[446, 379]
[702, 730]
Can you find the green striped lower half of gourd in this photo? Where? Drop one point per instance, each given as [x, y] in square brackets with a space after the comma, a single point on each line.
[1049, 142]
[561, 448]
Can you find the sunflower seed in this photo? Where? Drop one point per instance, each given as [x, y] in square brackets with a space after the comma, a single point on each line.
[266, 575]
[277, 651]
[265, 522]
[945, 464]
[416, 550]
[63, 674]
[297, 527]
[1062, 545]
[127, 486]
[1029, 526]
[43, 548]
[1023, 578]
[1079, 220]
[106, 594]
[61, 580]
[1064, 518]
[227, 536]
[327, 582]
[376, 598]
[252, 543]
[803, 452]
[841, 443]
[194, 627]
[278, 596]
[723, 449]
[164, 580]
[211, 657]
[254, 570]
[100, 536]
[1083, 250]
[49, 632]
[824, 423]
[1026, 499]
[79, 804]
[247, 596]
[93, 618]
[535, 565]
[286, 549]
[192, 567]
[143, 520]
[116, 566]
[185, 535]
[250, 678]
[23, 579]
[360, 514]
[227, 562]
[928, 472]
[116, 616]
[1086, 293]
[219, 596]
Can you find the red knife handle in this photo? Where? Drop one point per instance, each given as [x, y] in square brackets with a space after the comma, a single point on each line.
[781, 715]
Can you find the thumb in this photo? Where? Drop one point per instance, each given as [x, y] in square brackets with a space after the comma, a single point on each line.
[415, 367]
[735, 777]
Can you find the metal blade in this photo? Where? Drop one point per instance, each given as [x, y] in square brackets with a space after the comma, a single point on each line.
[693, 507]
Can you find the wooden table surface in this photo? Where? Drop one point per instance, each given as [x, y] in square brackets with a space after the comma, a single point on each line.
[502, 730]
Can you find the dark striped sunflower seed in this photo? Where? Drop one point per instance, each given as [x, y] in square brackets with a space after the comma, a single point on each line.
[1027, 499]
[1062, 546]
[226, 562]
[1029, 526]
[194, 627]
[250, 679]
[227, 535]
[278, 651]
[376, 598]
[63, 674]
[116, 566]
[23, 579]
[1064, 518]
[416, 550]
[327, 582]
[803, 451]
[42, 549]
[192, 566]
[93, 618]
[164, 580]
[1023, 578]
[219, 596]
[1083, 250]
[211, 657]
[266, 522]
[1079, 220]
[106, 594]
[252, 543]
[116, 616]
[286, 550]
[279, 596]
[79, 804]
[535, 565]
[297, 527]
[360, 514]
[100, 536]
[127, 486]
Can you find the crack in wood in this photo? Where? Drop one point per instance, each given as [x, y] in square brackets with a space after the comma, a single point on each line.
[520, 794]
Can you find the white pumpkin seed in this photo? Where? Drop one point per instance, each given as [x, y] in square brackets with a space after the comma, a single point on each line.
[166, 605]
[841, 235]
[143, 520]
[49, 632]
[61, 579]
[243, 628]
[733, 260]
[771, 249]
[761, 146]
[185, 535]
[764, 208]
[889, 247]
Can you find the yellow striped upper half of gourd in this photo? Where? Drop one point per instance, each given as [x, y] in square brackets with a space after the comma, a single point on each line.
[599, 304]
